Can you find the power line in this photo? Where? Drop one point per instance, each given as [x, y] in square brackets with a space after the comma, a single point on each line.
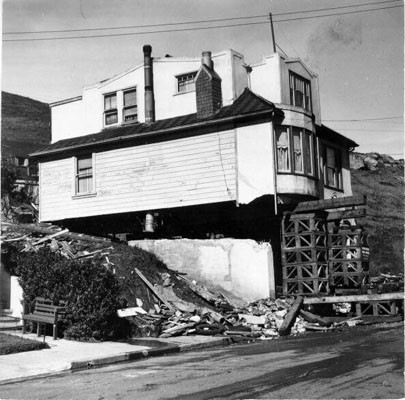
[368, 130]
[197, 21]
[361, 119]
[342, 13]
[192, 29]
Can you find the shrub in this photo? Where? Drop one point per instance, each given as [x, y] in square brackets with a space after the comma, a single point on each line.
[89, 289]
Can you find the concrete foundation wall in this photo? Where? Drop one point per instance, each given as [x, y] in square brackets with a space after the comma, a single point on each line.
[243, 267]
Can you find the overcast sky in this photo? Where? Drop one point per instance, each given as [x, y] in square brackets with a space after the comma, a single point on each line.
[358, 55]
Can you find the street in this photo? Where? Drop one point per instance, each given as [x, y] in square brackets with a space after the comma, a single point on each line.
[361, 363]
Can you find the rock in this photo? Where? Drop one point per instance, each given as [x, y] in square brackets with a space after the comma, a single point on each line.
[387, 159]
[370, 163]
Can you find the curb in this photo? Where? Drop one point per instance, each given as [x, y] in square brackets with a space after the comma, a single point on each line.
[141, 354]
[123, 357]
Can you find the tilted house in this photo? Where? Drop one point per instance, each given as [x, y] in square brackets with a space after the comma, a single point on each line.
[191, 147]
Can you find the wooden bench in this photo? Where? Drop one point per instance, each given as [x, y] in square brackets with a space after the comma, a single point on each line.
[44, 313]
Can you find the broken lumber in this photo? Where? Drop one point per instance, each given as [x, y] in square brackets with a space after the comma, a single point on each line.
[49, 237]
[325, 204]
[313, 318]
[290, 317]
[152, 289]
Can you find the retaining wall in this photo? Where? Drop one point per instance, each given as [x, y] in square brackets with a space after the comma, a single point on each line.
[243, 267]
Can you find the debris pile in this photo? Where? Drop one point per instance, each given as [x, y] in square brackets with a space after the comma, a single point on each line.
[160, 302]
[31, 237]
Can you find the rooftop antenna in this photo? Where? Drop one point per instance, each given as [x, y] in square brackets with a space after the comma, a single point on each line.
[273, 40]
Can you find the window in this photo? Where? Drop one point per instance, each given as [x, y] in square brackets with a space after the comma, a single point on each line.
[300, 92]
[186, 82]
[110, 109]
[130, 110]
[295, 150]
[84, 174]
[332, 167]
[283, 144]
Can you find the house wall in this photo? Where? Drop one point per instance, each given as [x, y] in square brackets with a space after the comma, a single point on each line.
[86, 116]
[255, 161]
[243, 267]
[181, 172]
[68, 120]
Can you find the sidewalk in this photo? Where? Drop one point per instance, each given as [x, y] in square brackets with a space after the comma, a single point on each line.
[67, 355]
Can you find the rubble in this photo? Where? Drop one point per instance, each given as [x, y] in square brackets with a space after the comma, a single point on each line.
[172, 304]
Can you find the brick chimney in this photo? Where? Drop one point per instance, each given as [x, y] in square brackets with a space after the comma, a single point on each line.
[208, 88]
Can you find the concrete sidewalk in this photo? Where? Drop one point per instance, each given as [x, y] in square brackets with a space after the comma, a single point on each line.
[67, 355]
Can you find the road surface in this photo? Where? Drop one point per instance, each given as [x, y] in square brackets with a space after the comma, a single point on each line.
[361, 363]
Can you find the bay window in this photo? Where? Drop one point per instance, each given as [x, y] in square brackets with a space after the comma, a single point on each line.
[295, 150]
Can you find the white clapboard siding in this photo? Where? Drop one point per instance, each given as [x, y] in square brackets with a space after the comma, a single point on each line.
[175, 173]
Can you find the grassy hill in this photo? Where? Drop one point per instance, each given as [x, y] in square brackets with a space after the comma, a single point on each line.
[25, 125]
[384, 188]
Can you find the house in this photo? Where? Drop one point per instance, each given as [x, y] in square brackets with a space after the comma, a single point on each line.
[191, 147]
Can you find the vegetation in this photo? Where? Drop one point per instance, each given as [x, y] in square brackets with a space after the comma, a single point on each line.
[90, 290]
[384, 188]
[13, 344]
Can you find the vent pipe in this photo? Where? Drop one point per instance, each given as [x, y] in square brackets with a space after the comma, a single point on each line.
[149, 97]
[207, 60]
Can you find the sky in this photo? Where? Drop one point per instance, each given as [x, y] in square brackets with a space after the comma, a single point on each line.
[358, 55]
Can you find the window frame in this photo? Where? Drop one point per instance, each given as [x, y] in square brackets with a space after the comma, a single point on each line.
[110, 111]
[337, 183]
[291, 159]
[306, 93]
[131, 106]
[78, 175]
[188, 89]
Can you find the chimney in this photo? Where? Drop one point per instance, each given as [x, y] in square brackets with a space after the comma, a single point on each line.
[149, 98]
[208, 88]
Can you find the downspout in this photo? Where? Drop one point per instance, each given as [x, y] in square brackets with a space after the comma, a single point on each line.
[273, 133]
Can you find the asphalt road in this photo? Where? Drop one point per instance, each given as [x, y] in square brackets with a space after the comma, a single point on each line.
[362, 363]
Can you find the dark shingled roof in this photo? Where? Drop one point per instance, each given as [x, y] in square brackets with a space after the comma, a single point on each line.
[246, 104]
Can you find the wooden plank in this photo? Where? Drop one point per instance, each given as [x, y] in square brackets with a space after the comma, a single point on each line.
[326, 204]
[49, 237]
[152, 289]
[290, 317]
[313, 318]
[346, 214]
[354, 298]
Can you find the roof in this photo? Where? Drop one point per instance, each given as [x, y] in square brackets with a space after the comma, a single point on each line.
[329, 134]
[246, 105]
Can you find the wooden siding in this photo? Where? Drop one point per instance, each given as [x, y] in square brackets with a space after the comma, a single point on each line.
[181, 172]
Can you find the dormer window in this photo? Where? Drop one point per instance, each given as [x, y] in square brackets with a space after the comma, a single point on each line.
[130, 110]
[186, 82]
[300, 92]
[110, 109]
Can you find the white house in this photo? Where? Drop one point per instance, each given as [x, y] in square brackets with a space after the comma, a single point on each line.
[193, 147]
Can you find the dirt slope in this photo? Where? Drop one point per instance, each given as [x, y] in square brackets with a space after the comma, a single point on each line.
[383, 184]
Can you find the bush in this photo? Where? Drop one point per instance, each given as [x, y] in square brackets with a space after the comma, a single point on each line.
[10, 344]
[89, 289]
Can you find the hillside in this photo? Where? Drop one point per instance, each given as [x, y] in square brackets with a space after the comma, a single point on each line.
[25, 125]
[381, 179]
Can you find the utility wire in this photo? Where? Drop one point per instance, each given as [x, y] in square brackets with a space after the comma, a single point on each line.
[193, 29]
[361, 120]
[196, 22]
